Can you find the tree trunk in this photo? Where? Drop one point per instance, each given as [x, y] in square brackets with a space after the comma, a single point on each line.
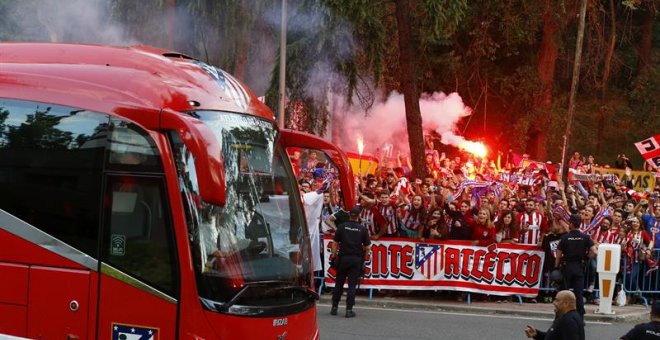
[646, 40]
[408, 69]
[548, 56]
[607, 67]
[574, 82]
[242, 42]
[548, 53]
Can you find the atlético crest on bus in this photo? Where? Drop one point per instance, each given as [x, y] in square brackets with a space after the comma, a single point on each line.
[133, 332]
[428, 260]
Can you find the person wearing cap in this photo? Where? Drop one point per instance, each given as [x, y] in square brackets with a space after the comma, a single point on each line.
[573, 250]
[350, 248]
[568, 324]
[649, 330]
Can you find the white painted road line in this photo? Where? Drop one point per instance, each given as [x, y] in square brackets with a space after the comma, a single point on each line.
[517, 317]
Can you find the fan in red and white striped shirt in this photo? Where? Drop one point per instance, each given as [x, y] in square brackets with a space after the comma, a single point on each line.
[372, 219]
[532, 225]
[387, 207]
[605, 234]
[412, 216]
[587, 214]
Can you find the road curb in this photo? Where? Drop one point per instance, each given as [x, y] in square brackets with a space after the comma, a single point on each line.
[498, 309]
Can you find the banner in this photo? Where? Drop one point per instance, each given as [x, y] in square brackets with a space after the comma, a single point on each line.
[644, 180]
[518, 179]
[596, 176]
[650, 150]
[499, 269]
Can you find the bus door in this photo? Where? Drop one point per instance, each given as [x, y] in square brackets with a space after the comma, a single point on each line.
[138, 288]
[314, 159]
[314, 162]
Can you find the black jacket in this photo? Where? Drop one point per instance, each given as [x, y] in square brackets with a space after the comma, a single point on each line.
[566, 327]
[644, 331]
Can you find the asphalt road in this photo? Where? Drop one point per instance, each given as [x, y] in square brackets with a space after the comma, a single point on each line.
[381, 323]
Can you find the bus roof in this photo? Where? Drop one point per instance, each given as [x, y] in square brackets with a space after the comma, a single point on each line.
[109, 79]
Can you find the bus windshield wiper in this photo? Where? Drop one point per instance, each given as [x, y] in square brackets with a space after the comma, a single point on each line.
[311, 293]
[225, 306]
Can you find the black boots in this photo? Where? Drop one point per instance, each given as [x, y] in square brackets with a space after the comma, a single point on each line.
[349, 312]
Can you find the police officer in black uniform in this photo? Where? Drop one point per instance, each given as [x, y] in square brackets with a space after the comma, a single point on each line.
[573, 251]
[649, 330]
[352, 239]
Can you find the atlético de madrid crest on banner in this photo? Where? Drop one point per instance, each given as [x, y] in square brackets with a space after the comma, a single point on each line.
[428, 260]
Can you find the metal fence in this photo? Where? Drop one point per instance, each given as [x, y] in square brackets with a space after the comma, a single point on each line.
[638, 279]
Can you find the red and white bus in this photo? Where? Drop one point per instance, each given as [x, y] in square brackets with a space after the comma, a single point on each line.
[147, 195]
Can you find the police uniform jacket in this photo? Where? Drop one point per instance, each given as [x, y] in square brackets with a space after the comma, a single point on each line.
[352, 236]
[644, 331]
[574, 246]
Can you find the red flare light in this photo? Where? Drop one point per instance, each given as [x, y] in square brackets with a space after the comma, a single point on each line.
[360, 144]
[476, 148]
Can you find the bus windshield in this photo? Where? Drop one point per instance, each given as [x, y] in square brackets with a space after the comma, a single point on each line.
[251, 255]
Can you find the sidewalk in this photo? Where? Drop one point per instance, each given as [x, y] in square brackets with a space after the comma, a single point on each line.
[442, 302]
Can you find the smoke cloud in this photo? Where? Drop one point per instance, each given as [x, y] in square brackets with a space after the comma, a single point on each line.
[386, 122]
[81, 21]
[98, 22]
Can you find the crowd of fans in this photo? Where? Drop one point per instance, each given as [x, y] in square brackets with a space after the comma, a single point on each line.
[503, 200]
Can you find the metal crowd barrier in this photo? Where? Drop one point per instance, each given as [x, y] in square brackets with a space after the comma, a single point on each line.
[637, 279]
[640, 279]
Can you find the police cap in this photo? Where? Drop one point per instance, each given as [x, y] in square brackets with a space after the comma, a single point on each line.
[655, 309]
[575, 220]
[356, 210]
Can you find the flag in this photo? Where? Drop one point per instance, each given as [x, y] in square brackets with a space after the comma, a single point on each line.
[428, 259]
[560, 212]
[598, 219]
[650, 150]
[131, 332]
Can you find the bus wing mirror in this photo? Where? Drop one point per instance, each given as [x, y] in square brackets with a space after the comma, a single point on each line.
[201, 141]
[297, 139]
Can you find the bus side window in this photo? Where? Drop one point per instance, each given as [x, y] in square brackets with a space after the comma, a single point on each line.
[138, 234]
[51, 169]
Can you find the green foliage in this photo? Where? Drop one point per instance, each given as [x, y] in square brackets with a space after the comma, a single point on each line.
[644, 96]
[324, 57]
[440, 19]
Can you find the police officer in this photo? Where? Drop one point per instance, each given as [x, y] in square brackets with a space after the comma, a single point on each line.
[352, 239]
[573, 251]
[649, 330]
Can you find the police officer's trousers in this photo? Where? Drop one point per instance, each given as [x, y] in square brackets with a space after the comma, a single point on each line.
[349, 266]
[574, 280]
